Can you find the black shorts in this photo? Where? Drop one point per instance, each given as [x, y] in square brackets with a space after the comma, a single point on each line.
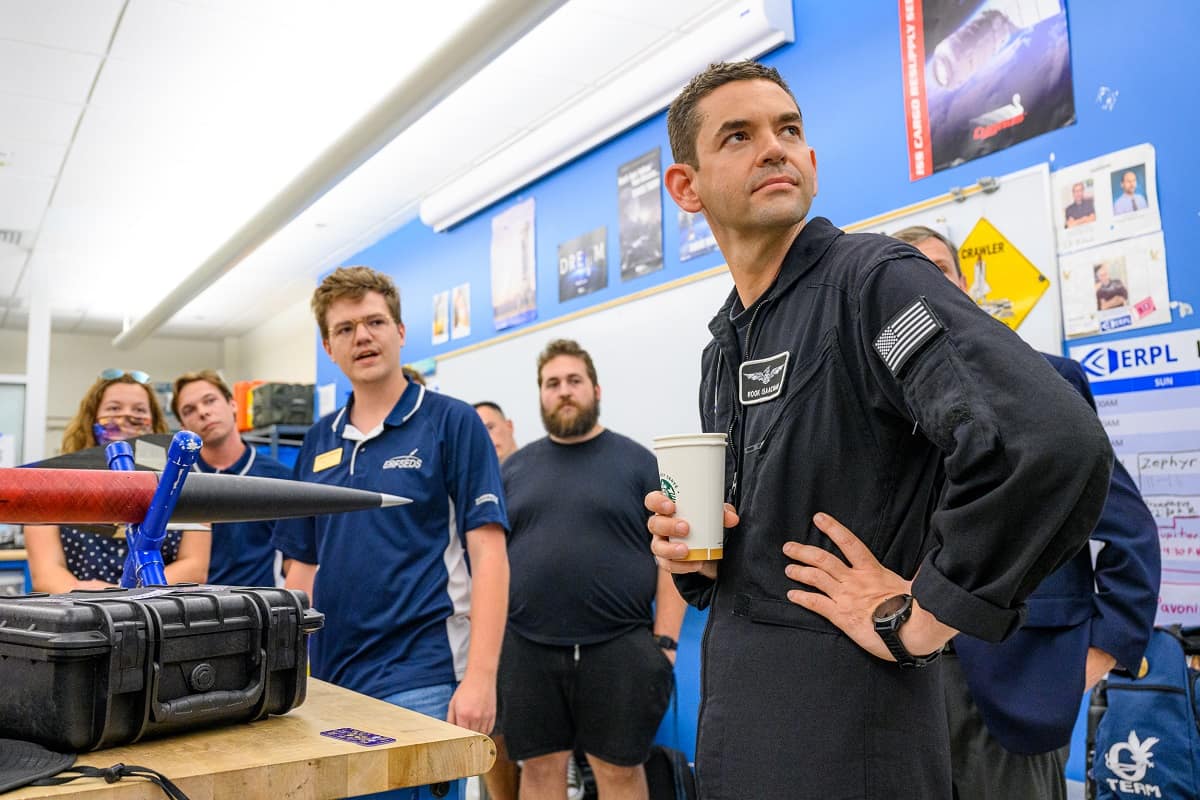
[607, 698]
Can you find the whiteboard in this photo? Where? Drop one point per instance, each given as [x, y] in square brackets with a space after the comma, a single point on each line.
[647, 351]
[647, 357]
[1021, 209]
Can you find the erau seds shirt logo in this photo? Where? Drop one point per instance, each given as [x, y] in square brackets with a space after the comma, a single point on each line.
[762, 379]
[410, 461]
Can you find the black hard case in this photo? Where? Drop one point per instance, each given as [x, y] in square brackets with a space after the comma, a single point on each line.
[282, 404]
[93, 669]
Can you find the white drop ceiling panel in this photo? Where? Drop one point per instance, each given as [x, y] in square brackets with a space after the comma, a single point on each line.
[33, 119]
[84, 26]
[86, 230]
[32, 70]
[11, 264]
[31, 159]
[23, 201]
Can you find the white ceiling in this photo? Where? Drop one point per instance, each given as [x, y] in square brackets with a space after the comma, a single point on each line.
[137, 135]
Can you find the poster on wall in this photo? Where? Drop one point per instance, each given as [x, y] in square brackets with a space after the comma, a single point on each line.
[695, 237]
[639, 209]
[1000, 279]
[460, 311]
[1147, 391]
[514, 274]
[1115, 286]
[441, 317]
[583, 264]
[981, 76]
[1105, 199]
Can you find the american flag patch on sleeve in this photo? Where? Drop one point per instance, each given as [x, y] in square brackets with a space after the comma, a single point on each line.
[907, 332]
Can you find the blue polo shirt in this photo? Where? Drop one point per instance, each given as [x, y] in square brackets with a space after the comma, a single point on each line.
[394, 583]
[242, 552]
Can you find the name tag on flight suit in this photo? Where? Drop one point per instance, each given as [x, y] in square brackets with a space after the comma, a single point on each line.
[762, 379]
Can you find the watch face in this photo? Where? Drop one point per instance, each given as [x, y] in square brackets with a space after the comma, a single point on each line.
[891, 607]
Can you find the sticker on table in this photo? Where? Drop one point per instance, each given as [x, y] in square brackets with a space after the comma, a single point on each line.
[355, 736]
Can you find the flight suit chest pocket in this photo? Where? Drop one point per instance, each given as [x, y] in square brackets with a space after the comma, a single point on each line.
[784, 390]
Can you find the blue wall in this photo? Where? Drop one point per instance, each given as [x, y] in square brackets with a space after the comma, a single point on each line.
[845, 71]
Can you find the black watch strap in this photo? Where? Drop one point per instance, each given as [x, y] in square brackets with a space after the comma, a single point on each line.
[666, 642]
[888, 628]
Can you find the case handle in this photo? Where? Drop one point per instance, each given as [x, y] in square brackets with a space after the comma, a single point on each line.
[219, 704]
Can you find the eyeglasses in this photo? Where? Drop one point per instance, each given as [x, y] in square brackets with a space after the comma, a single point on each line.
[112, 374]
[375, 325]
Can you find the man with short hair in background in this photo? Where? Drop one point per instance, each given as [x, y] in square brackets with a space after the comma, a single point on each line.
[242, 552]
[414, 596]
[589, 652]
[499, 427]
[502, 780]
[1011, 707]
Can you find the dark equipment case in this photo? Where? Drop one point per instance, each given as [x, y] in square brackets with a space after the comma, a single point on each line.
[93, 669]
[282, 404]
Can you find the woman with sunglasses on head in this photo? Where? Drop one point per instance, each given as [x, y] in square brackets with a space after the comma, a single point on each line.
[119, 405]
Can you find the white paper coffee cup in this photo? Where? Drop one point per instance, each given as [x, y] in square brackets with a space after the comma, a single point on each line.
[691, 471]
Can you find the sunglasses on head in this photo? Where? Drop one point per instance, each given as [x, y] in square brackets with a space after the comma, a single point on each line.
[112, 374]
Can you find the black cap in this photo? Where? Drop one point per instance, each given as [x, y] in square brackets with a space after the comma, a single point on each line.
[22, 763]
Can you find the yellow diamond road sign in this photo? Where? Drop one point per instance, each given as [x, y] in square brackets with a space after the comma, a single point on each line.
[1000, 279]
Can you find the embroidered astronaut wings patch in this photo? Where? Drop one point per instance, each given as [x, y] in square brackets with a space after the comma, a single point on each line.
[906, 334]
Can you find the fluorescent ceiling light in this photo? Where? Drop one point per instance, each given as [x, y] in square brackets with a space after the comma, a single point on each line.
[744, 30]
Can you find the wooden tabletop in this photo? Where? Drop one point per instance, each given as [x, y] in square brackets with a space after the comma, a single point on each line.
[286, 758]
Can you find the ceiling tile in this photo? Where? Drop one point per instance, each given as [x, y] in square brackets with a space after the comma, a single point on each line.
[23, 201]
[11, 264]
[84, 26]
[34, 71]
[33, 119]
[31, 159]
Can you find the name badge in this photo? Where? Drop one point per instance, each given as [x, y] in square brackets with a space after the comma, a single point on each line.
[330, 458]
[762, 379]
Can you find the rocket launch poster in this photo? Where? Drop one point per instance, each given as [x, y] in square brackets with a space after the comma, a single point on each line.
[980, 76]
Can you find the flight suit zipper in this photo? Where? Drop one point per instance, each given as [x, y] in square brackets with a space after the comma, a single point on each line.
[737, 415]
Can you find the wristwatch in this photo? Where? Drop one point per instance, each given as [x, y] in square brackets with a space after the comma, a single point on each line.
[666, 642]
[888, 617]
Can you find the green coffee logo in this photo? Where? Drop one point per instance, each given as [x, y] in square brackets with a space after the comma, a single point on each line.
[669, 486]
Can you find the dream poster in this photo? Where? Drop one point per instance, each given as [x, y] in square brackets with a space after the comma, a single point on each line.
[583, 264]
[980, 76]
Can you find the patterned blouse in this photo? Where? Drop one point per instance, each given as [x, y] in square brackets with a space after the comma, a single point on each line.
[91, 556]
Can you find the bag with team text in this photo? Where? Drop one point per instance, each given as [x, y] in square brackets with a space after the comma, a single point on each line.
[1144, 730]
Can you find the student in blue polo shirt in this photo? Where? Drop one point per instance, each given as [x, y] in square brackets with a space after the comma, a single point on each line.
[415, 597]
[242, 552]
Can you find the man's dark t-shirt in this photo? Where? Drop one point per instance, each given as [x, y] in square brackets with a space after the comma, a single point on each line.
[579, 551]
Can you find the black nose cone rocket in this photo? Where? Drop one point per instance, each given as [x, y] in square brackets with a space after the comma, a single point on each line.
[82, 496]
